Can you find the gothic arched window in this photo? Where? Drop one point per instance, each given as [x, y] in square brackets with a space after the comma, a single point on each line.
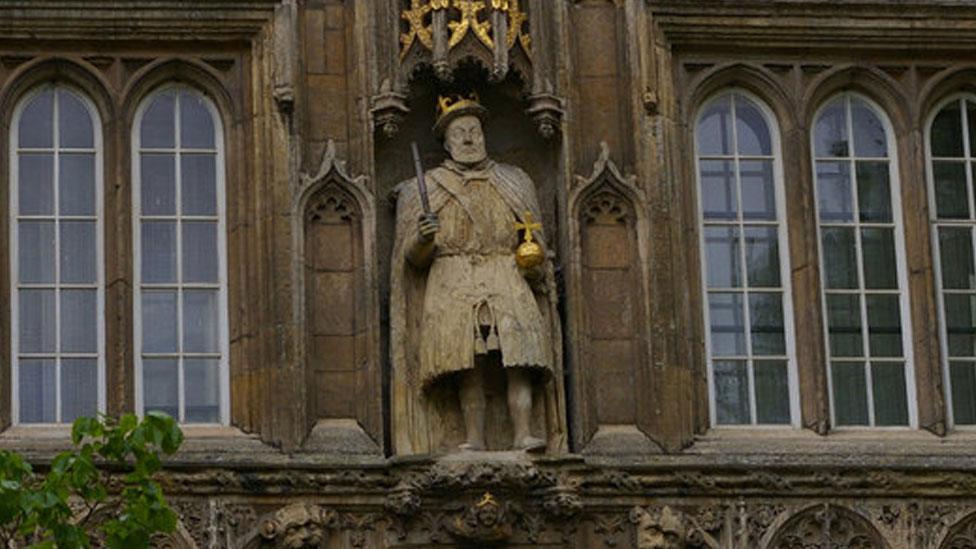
[863, 273]
[57, 299]
[745, 265]
[952, 153]
[181, 326]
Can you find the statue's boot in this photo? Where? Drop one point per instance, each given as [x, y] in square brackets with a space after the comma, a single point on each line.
[530, 444]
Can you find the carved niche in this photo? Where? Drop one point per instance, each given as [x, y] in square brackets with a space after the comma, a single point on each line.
[608, 284]
[341, 379]
[827, 527]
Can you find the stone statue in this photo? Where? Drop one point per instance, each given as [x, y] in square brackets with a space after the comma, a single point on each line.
[462, 307]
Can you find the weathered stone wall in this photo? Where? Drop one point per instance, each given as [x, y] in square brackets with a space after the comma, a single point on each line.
[320, 100]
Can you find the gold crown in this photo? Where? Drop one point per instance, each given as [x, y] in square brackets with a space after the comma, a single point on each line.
[452, 106]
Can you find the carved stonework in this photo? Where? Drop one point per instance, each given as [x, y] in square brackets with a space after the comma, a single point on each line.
[664, 527]
[827, 527]
[962, 535]
[300, 526]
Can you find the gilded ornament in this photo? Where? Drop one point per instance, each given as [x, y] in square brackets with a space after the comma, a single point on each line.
[418, 31]
[529, 254]
[469, 22]
[467, 18]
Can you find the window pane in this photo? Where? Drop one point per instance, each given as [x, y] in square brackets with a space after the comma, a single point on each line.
[758, 191]
[762, 257]
[35, 251]
[79, 319]
[199, 176]
[873, 192]
[714, 132]
[956, 257]
[35, 184]
[890, 397]
[159, 322]
[950, 190]
[78, 252]
[159, 122]
[772, 392]
[200, 252]
[727, 324]
[722, 252]
[962, 377]
[835, 203]
[158, 251]
[946, 133]
[76, 184]
[37, 122]
[718, 190]
[36, 390]
[960, 329]
[840, 258]
[201, 323]
[844, 325]
[731, 392]
[830, 132]
[160, 380]
[766, 315]
[850, 393]
[74, 122]
[196, 123]
[880, 270]
[79, 388]
[36, 321]
[884, 325]
[751, 129]
[158, 184]
[202, 390]
[869, 132]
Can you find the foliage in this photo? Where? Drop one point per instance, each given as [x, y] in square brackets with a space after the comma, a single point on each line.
[73, 500]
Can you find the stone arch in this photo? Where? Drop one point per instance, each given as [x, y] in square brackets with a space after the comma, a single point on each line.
[188, 72]
[827, 525]
[334, 215]
[608, 323]
[756, 80]
[962, 534]
[873, 83]
[939, 88]
[76, 73]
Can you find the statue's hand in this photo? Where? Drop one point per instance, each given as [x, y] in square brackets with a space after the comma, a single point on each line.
[429, 225]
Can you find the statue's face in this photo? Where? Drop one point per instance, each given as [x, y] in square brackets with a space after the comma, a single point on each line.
[465, 140]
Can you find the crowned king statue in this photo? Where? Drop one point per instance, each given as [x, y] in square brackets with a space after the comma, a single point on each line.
[473, 292]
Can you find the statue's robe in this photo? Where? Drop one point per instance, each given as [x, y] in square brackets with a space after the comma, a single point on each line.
[471, 300]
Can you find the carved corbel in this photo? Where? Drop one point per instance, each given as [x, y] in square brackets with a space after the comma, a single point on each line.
[546, 110]
[285, 46]
[389, 109]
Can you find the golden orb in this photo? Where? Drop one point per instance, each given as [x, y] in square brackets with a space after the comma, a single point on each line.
[529, 255]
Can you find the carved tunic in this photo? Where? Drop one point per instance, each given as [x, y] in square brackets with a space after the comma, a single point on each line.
[477, 300]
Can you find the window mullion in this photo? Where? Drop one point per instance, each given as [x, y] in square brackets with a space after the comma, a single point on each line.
[178, 194]
[56, 210]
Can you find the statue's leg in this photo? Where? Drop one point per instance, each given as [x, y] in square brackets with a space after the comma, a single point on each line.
[520, 409]
[472, 395]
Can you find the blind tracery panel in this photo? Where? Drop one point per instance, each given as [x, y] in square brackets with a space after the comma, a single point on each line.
[748, 314]
[56, 258]
[180, 264]
[863, 266]
[951, 148]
